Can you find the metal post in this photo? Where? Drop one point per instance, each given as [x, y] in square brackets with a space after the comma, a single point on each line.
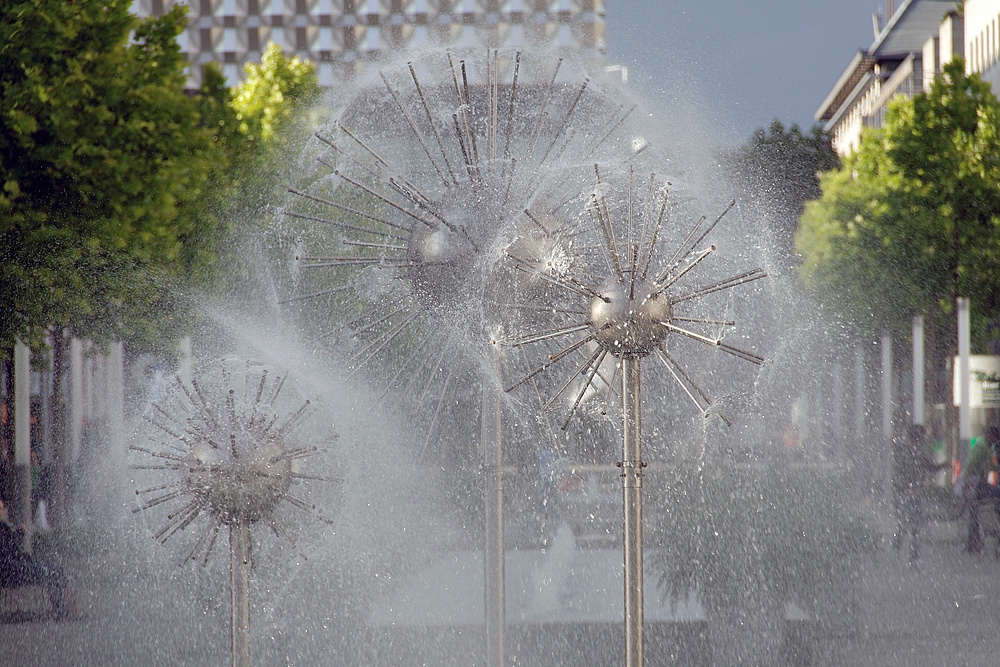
[886, 408]
[632, 511]
[837, 400]
[75, 399]
[918, 369]
[493, 559]
[239, 571]
[115, 401]
[859, 394]
[21, 514]
[964, 409]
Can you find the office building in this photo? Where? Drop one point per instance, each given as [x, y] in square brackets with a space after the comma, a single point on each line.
[342, 36]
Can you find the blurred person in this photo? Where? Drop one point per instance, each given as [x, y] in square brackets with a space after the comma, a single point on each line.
[912, 468]
[18, 568]
[979, 485]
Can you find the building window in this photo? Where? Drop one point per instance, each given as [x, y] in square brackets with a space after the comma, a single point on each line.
[420, 36]
[232, 73]
[324, 74]
[468, 36]
[372, 38]
[325, 39]
[563, 35]
[517, 35]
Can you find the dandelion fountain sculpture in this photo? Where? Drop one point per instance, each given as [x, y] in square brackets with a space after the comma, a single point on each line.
[231, 454]
[421, 182]
[619, 301]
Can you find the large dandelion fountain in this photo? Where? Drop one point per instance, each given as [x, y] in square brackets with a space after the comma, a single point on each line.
[413, 193]
[621, 293]
[415, 190]
[227, 454]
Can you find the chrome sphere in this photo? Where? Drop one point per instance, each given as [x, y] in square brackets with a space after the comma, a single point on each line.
[630, 320]
[242, 487]
[441, 264]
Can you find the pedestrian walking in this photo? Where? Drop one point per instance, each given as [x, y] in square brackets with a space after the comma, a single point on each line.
[979, 487]
[912, 467]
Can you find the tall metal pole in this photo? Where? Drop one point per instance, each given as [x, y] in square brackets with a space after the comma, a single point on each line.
[239, 573]
[886, 408]
[21, 514]
[493, 559]
[859, 394]
[918, 369]
[964, 409]
[632, 511]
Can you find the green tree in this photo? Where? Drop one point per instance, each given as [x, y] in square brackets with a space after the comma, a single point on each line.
[912, 219]
[273, 95]
[103, 165]
[264, 122]
[777, 172]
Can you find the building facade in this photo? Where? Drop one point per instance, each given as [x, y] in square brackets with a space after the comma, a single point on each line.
[982, 40]
[341, 36]
[913, 40]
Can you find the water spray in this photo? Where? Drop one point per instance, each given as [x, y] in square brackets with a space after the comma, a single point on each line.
[619, 302]
[231, 454]
[424, 179]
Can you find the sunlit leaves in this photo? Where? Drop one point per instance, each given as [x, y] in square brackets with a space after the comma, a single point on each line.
[104, 162]
[910, 221]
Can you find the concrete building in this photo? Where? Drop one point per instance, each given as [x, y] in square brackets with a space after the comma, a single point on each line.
[982, 40]
[341, 36]
[913, 40]
[895, 63]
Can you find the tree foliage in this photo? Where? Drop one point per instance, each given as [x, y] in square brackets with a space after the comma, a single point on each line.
[272, 94]
[261, 123]
[118, 189]
[103, 166]
[777, 171]
[912, 219]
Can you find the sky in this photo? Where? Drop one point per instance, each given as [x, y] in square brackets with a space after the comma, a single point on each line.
[737, 64]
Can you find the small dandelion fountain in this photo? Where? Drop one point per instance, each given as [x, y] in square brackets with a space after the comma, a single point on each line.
[232, 456]
[604, 286]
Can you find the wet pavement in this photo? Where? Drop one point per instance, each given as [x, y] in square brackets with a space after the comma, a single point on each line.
[944, 611]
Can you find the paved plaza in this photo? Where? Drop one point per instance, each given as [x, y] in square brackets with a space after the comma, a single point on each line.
[137, 610]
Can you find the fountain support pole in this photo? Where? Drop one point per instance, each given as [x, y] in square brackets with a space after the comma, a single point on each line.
[239, 570]
[493, 552]
[887, 433]
[632, 503]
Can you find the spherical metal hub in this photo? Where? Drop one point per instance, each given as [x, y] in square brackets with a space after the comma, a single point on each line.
[242, 488]
[442, 258]
[630, 321]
